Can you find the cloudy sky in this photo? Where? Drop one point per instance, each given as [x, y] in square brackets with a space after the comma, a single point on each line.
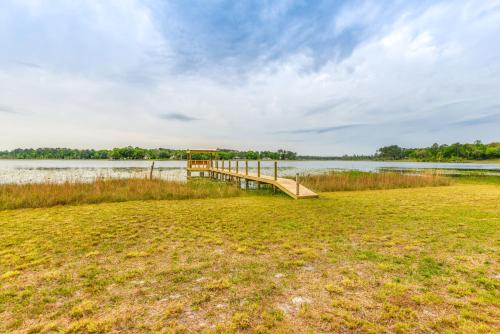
[316, 77]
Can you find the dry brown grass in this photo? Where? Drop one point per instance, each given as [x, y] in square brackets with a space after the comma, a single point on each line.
[340, 181]
[13, 196]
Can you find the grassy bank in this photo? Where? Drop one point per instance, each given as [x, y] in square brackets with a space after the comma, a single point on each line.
[13, 196]
[353, 180]
[398, 261]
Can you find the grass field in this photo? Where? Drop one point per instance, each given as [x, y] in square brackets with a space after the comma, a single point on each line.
[402, 260]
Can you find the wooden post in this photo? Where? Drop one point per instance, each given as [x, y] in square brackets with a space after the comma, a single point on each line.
[222, 165]
[297, 183]
[237, 166]
[275, 170]
[258, 168]
[151, 171]
[229, 163]
[246, 169]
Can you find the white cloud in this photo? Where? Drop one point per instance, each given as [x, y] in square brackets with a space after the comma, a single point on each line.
[81, 37]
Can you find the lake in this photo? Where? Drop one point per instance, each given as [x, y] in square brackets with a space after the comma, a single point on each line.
[30, 171]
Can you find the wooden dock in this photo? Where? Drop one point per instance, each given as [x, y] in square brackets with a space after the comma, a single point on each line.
[238, 171]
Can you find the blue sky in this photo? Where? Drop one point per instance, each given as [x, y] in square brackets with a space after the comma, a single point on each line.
[317, 77]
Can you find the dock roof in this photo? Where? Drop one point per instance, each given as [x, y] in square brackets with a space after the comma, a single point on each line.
[201, 151]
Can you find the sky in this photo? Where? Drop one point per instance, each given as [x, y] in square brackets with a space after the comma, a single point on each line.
[315, 77]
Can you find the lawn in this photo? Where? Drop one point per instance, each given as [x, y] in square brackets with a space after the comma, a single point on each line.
[400, 260]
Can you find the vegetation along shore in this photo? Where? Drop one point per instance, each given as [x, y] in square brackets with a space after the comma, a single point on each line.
[440, 153]
[45, 194]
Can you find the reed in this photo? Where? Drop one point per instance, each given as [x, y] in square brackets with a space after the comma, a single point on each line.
[13, 196]
[353, 180]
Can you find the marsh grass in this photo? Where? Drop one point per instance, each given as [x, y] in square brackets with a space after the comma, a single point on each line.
[355, 180]
[14, 196]
[47, 194]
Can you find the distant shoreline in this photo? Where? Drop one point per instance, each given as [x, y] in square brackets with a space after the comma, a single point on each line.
[488, 161]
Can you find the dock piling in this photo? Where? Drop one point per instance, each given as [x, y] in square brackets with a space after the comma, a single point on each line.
[297, 184]
[151, 171]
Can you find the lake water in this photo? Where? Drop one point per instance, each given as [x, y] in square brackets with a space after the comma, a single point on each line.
[29, 171]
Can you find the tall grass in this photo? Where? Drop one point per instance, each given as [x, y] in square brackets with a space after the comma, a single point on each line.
[353, 180]
[13, 196]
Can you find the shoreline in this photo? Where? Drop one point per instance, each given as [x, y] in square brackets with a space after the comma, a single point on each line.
[489, 161]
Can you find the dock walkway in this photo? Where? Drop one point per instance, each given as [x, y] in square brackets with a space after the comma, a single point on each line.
[288, 186]
[221, 169]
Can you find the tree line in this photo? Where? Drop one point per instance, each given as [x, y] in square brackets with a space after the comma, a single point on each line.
[436, 152]
[138, 153]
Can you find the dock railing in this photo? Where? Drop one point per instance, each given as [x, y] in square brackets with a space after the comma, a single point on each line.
[233, 166]
[199, 164]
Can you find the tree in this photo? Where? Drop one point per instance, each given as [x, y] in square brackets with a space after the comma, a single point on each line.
[392, 152]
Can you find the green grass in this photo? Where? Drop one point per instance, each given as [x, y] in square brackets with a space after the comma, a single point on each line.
[401, 261]
[477, 179]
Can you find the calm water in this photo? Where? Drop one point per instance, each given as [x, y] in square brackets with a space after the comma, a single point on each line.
[26, 171]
